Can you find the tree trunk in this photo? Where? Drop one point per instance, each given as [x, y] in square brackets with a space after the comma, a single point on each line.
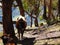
[7, 17]
[36, 22]
[51, 17]
[44, 15]
[59, 9]
[31, 18]
[20, 7]
[36, 9]
[59, 6]
[50, 11]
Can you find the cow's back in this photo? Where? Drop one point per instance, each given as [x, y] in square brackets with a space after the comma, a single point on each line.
[20, 24]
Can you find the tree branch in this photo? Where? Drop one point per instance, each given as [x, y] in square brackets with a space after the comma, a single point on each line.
[30, 14]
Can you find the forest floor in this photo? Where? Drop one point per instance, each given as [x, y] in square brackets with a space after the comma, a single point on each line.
[49, 36]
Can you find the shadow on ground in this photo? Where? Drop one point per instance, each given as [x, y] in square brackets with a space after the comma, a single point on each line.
[27, 41]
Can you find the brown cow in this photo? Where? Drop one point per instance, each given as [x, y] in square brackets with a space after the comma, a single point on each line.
[21, 25]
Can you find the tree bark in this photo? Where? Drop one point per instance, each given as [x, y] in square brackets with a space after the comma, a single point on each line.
[31, 18]
[7, 17]
[50, 11]
[44, 15]
[36, 9]
[36, 22]
[59, 9]
[59, 6]
[20, 7]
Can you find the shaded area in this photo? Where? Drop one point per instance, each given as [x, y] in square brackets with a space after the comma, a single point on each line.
[27, 41]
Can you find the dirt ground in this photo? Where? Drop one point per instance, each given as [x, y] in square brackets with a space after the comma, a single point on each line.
[50, 36]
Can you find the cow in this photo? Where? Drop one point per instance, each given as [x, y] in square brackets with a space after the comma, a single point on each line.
[21, 25]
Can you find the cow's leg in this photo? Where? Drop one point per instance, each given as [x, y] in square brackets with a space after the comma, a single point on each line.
[18, 34]
[22, 32]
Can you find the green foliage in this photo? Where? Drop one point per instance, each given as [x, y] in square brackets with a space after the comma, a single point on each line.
[41, 17]
[32, 2]
[25, 5]
[30, 5]
[54, 4]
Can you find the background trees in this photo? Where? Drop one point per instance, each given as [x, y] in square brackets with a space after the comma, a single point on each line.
[32, 8]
